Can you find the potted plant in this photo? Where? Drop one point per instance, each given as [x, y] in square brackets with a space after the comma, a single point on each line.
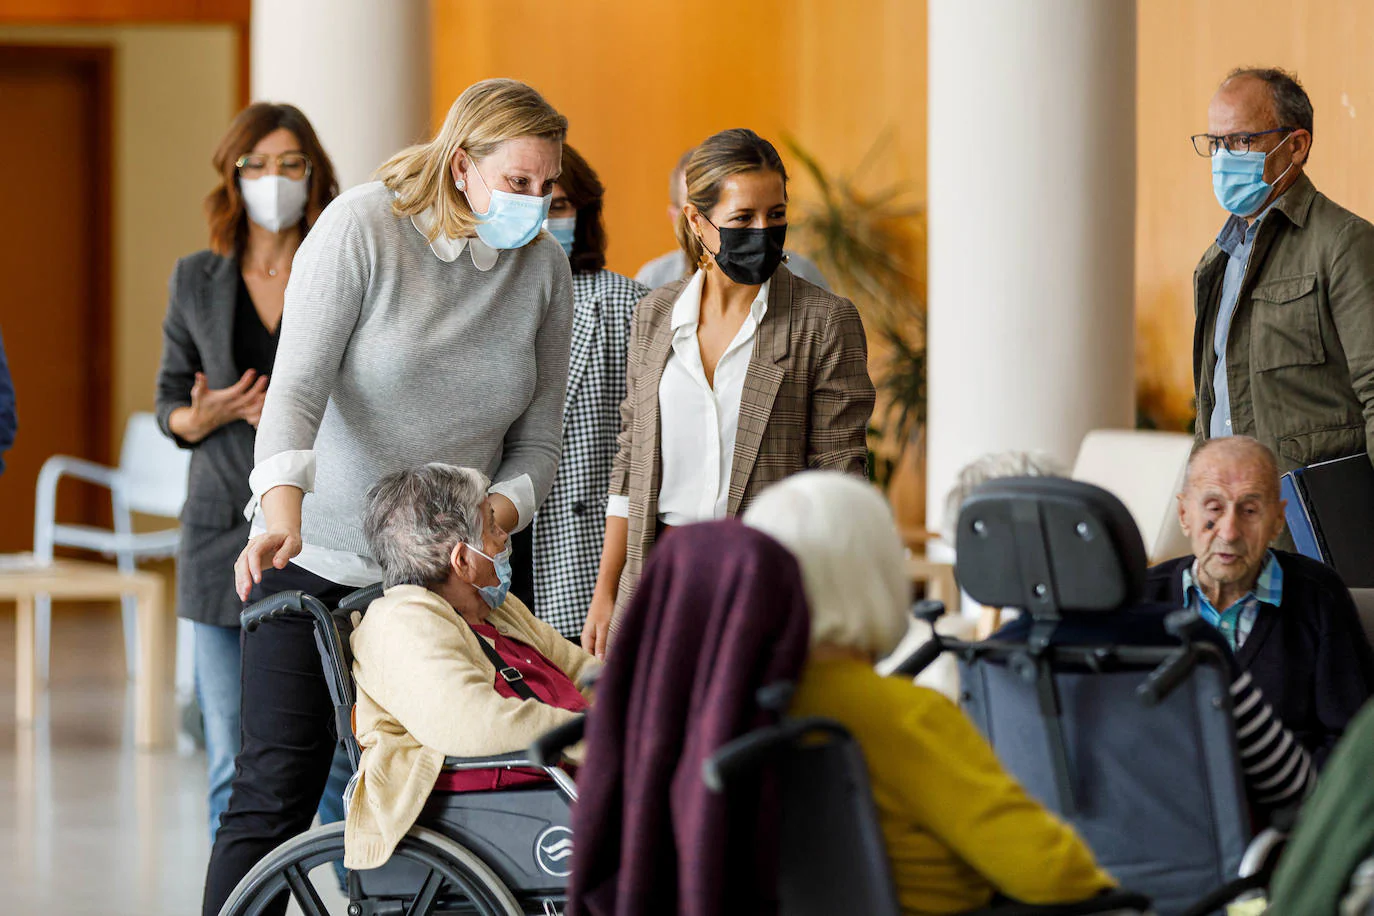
[869, 245]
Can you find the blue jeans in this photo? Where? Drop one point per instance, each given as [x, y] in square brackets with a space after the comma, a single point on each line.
[218, 690]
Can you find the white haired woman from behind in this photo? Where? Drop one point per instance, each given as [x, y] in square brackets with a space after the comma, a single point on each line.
[959, 830]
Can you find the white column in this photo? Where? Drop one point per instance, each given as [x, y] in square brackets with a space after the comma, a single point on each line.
[1031, 228]
[359, 69]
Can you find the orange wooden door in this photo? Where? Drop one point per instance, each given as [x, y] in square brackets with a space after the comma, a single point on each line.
[54, 273]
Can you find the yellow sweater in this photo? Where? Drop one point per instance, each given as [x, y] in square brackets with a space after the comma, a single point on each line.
[426, 691]
[957, 826]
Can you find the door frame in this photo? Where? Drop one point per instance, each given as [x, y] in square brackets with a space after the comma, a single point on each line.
[98, 62]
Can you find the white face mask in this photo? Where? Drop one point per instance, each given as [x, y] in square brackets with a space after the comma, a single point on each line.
[274, 202]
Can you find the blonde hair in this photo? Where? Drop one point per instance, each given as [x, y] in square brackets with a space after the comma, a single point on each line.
[853, 565]
[486, 115]
[719, 157]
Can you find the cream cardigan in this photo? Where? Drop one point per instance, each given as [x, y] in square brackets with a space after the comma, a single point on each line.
[425, 692]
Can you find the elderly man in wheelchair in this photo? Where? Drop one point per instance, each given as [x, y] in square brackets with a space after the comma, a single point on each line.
[452, 680]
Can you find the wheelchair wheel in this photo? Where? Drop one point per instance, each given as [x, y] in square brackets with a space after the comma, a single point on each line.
[450, 879]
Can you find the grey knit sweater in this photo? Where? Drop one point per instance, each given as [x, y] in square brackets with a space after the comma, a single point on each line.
[390, 357]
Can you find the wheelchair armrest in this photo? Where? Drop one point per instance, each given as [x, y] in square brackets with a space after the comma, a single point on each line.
[547, 750]
[513, 759]
[751, 749]
[1113, 901]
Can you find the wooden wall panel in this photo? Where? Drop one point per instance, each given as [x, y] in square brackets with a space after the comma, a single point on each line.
[1185, 49]
[122, 12]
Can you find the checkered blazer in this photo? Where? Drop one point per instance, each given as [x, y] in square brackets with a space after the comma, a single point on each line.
[806, 403]
[571, 524]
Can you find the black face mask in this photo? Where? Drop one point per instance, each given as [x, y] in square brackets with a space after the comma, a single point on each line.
[750, 256]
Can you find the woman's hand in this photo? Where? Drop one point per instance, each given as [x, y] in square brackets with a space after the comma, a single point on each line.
[212, 408]
[272, 548]
[281, 514]
[598, 626]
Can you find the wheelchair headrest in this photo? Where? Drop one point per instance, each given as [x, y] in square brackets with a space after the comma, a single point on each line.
[1047, 545]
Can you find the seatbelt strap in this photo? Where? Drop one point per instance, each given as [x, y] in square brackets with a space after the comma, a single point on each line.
[507, 673]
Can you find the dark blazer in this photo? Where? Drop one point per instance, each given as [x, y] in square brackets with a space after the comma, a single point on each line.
[198, 336]
[806, 403]
[1310, 656]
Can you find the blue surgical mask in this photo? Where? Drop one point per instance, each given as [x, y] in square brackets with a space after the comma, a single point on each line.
[562, 230]
[511, 220]
[1238, 180]
[495, 595]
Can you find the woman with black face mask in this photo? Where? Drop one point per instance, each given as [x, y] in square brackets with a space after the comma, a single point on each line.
[738, 375]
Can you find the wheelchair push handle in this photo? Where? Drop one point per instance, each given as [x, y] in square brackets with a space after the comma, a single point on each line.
[1172, 672]
[293, 603]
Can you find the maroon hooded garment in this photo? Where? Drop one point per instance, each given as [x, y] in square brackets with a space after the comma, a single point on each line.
[718, 613]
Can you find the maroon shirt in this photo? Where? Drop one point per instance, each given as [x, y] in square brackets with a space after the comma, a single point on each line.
[549, 684]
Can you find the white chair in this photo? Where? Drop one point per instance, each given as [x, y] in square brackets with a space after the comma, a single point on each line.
[1145, 470]
[150, 479]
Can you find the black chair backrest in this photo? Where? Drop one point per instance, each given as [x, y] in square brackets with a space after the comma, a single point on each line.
[832, 857]
[1047, 545]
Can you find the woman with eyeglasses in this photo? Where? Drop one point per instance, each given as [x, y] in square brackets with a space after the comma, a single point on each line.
[428, 318]
[219, 342]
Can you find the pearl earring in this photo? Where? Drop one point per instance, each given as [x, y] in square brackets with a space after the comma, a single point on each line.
[461, 184]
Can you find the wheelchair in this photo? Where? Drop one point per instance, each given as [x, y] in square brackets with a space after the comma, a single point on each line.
[1132, 744]
[505, 852]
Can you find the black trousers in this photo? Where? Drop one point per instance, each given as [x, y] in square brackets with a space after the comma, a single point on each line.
[288, 739]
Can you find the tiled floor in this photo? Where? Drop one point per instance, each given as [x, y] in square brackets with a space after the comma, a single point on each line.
[88, 825]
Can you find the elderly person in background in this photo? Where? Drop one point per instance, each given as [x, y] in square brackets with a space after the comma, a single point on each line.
[432, 656]
[958, 828]
[1289, 619]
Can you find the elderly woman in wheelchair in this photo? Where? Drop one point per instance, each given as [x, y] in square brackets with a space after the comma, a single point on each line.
[959, 830]
[452, 680]
[446, 663]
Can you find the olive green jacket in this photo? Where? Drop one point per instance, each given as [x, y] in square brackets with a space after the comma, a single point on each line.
[1300, 356]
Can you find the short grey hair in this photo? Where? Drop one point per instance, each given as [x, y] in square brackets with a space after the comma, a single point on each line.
[415, 518]
[1291, 105]
[991, 467]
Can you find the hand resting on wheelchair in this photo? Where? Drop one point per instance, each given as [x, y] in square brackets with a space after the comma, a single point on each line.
[446, 663]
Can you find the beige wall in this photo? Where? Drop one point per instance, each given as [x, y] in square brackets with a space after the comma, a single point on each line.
[1185, 48]
[175, 89]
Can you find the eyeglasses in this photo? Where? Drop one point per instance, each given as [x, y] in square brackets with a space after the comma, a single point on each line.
[1208, 145]
[289, 165]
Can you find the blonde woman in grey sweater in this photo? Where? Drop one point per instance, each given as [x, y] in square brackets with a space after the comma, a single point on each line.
[427, 319]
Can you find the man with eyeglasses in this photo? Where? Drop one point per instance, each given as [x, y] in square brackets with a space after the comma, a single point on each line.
[1283, 345]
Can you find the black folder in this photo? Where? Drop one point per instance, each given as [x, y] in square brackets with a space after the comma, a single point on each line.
[1331, 516]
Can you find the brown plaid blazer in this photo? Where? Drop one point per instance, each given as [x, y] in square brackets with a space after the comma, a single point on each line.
[806, 403]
